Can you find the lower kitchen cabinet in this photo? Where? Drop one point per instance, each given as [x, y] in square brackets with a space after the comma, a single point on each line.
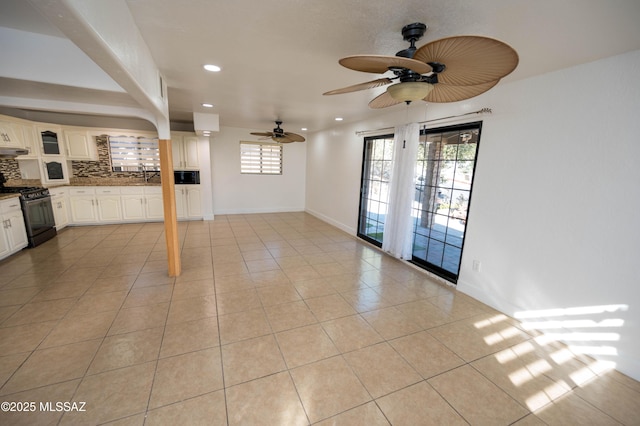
[59, 202]
[142, 204]
[153, 203]
[13, 234]
[126, 204]
[109, 209]
[91, 205]
[133, 207]
[82, 204]
[188, 202]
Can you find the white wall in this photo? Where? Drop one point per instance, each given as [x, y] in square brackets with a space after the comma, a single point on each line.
[553, 213]
[237, 193]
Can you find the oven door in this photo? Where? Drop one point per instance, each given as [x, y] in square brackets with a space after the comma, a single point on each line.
[38, 216]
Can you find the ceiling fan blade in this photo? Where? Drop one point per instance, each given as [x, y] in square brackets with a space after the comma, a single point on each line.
[443, 93]
[379, 64]
[265, 134]
[382, 101]
[362, 86]
[294, 137]
[469, 60]
[282, 139]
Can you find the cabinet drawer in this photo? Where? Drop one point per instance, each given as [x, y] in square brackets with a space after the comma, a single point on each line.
[9, 205]
[108, 190]
[132, 190]
[59, 191]
[84, 190]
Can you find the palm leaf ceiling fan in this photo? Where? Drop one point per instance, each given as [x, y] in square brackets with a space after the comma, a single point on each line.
[447, 70]
[279, 135]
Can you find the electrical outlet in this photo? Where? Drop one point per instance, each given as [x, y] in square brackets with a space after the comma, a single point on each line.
[477, 265]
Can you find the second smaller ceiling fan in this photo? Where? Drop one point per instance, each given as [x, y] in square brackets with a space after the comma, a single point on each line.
[279, 135]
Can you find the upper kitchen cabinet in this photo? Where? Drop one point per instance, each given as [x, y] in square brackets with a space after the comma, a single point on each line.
[10, 134]
[80, 145]
[30, 141]
[50, 140]
[73, 144]
[185, 152]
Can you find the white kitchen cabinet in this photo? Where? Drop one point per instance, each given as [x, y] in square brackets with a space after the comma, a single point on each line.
[133, 207]
[108, 204]
[92, 205]
[13, 234]
[59, 202]
[50, 140]
[30, 141]
[54, 170]
[82, 203]
[10, 134]
[80, 145]
[142, 203]
[83, 209]
[185, 152]
[109, 208]
[154, 205]
[188, 202]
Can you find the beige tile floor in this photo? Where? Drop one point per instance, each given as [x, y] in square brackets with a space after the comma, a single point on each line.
[276, 319]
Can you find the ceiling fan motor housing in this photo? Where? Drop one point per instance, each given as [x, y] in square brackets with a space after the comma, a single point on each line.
[278, 131]
[411, 33]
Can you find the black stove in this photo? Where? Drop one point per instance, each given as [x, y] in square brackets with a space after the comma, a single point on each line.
[37, 211]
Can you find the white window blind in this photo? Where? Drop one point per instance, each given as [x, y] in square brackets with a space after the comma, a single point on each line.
[260, 158]
[133, 154]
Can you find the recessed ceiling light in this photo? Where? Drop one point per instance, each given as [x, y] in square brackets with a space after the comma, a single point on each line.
[338, 118]
[212, 68]
[304, 129]
[207, 105]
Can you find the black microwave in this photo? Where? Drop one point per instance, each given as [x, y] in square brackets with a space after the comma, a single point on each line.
[186, 177]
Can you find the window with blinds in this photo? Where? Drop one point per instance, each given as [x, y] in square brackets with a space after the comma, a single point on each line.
[260, 158]
[134, 154]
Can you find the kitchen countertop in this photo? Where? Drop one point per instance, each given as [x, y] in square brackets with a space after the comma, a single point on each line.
[112, 182]
[8, 196]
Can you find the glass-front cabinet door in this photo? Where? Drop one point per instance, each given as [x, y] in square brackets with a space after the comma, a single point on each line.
[50, 140]
[54, 170]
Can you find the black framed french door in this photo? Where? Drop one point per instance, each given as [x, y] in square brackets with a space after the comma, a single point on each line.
[445, 168]
[377, 160]
[443, 182]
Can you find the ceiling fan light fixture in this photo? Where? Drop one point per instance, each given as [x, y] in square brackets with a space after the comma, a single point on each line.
[410, 91]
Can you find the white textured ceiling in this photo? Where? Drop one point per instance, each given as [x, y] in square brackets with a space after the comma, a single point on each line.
[279, 56]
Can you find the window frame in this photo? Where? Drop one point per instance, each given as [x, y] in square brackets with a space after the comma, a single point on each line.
[263, 163]
[138, 143]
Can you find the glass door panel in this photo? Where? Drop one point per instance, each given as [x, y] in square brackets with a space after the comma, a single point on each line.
[374, 189]
[445, 165]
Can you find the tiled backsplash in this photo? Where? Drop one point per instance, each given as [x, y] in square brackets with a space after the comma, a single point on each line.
[10, 169]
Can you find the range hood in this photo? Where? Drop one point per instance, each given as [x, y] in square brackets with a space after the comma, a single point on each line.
[8, 152]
